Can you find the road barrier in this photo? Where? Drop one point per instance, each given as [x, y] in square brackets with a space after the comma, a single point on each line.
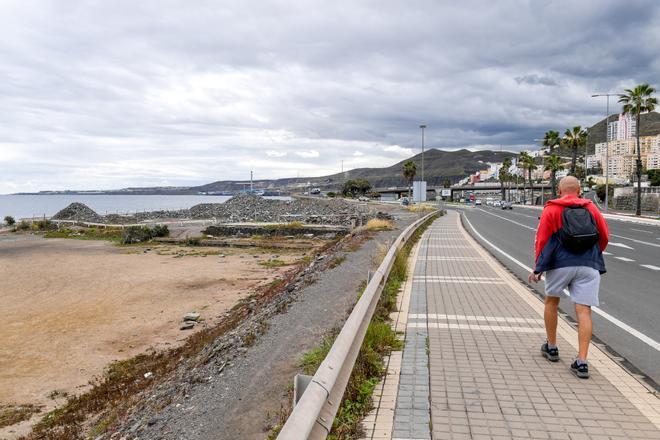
[314, 413]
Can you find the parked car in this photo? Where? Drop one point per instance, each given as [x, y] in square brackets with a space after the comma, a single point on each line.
[489, 203]
[405, 201]
[506, 205]
[477, 202]
[497, 203]
[363, 198]
[462, 200]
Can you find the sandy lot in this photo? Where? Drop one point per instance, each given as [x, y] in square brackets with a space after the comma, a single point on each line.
[69, 307]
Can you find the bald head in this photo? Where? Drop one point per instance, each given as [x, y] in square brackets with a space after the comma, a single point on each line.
[569, 185]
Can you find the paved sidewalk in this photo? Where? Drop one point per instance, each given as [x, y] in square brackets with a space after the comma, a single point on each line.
[471, 366]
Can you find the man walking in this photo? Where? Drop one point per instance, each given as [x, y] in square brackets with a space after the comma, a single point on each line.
[570, 241]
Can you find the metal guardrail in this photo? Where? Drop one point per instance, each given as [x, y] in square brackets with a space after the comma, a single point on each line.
[314, 413]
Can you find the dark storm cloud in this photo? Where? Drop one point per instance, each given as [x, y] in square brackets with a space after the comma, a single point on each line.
[112, 94]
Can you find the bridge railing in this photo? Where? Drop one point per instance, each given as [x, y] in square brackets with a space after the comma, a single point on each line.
[314, 413]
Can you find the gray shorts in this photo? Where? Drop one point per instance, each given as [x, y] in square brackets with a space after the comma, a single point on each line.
[582, 283]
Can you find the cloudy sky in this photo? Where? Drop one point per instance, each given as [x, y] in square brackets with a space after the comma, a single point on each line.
[110, 94]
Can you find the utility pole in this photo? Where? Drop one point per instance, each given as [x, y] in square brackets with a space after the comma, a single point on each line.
[423, 126]
[251, 188]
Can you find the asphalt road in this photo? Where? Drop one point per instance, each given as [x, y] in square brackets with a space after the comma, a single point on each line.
[630, 290]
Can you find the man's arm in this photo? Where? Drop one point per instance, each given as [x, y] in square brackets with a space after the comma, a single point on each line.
[544, 232]
[603, 229]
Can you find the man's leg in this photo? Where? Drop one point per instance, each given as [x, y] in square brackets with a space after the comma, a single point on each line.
[583, 314]
[550, 317]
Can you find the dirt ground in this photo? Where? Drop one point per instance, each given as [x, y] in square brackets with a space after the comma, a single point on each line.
[70, 307]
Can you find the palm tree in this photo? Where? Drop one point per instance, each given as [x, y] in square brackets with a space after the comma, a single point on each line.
[551, 140]
[523, 162]
[503, 175]
[409, 172]
[553, 164]
[574, 139]
[530, 166]
[635, 102]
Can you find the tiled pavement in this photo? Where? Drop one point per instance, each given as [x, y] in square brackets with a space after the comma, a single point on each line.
[471, 367]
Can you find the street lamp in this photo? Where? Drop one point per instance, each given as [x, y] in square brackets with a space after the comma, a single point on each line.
[607, 145]
[423, 126]
[542, 173]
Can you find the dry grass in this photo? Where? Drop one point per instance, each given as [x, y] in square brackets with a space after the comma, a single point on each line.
[376, 224]
[12, 414]
[422, 207]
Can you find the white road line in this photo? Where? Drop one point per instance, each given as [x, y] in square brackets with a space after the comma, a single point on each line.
[650, 266]
[607, 253]
[622, 325]
[641, 230]
[636, 241]
[621, 245]
[507, 219]
[624, 259]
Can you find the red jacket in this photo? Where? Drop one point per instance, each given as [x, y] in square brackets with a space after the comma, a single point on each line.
[551, 222]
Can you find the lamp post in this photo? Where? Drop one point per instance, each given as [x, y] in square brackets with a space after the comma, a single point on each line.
[422, 126]
[607, 144]
[542, 172]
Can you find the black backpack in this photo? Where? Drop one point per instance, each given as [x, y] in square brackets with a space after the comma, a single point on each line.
[578, 232]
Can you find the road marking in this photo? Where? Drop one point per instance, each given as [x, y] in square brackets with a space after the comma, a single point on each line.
[624, 259]
[650, 266]
[495, 328]
[611, 243]
[632, 239]
[622, 325]
[641, 230]
[606, 253]
[507, 219]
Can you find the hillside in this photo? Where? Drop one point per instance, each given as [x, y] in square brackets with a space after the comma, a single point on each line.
[438, 166]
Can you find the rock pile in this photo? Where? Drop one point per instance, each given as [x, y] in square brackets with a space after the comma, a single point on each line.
[78, 212]
[240, 208]
[252, 208]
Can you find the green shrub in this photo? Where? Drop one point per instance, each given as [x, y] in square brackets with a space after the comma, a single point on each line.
[331, 194]
[44, 225]
[136, 234]
[161, 231]
[9, 220]
[139, 234]
[24, 225]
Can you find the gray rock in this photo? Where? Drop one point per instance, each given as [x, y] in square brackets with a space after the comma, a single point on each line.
[187, 325]
[192, 316]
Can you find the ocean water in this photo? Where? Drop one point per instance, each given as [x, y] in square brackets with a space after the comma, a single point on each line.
[24, 206]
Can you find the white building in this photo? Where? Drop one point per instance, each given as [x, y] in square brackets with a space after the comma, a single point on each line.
[622, 129]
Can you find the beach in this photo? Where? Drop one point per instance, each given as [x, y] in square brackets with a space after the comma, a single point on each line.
[71, 307]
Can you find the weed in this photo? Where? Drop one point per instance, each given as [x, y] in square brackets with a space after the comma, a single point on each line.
[272, 263]
[422, 207]
[12, 414]
[376, 224]
[193, 241]
[23, 226]
[336, 261]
